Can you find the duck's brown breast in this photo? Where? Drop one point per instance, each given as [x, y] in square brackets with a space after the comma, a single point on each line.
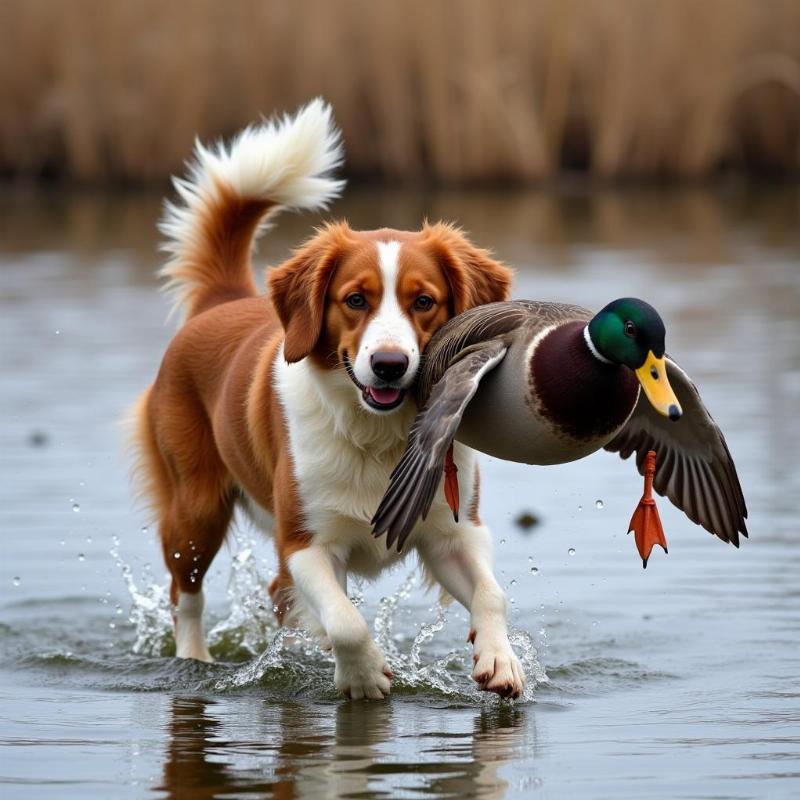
[580, 396]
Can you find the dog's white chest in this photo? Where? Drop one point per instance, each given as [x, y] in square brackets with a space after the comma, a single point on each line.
[342, 455]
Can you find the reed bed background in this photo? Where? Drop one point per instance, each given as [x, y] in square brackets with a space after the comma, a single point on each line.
[451, 91]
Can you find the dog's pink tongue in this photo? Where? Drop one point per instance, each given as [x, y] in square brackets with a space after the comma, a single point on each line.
[384, 396]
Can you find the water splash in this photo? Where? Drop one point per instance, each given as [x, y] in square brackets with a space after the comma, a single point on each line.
[292, 660]
[151, 612]
[250, 624]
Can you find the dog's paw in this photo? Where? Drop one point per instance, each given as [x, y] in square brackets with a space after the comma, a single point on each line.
[497, 668]
[362, 672]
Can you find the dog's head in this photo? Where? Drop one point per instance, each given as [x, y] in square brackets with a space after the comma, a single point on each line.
[368, 302]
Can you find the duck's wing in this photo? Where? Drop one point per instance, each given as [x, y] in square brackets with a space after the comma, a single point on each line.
[416, 477]
[694, 468]
[474, 326]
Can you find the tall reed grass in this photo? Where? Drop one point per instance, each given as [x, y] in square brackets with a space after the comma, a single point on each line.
[446, 90]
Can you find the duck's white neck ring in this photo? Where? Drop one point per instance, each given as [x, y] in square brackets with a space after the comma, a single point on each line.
[590, 344]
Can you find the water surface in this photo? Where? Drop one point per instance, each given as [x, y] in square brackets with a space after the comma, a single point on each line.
[679, 681]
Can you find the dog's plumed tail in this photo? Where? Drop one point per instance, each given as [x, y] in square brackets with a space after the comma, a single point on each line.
[230, 195]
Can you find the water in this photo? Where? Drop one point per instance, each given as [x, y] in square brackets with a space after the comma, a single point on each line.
[679, 681]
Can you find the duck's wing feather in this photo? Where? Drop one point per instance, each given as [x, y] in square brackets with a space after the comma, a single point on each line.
[417, 476]
[694, 468]
[474, 326]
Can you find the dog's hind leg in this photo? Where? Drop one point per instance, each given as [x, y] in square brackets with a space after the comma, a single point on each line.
[281, 591]
[190, 538]
[182, 478]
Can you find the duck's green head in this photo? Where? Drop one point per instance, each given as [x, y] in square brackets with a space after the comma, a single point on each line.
[629, 331]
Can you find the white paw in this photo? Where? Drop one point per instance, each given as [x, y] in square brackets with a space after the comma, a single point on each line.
[187, 619]
[497, 669]
[362, 671]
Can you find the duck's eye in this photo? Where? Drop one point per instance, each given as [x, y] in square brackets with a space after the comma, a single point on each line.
[356, 300]
[630, 329]
[423, 303]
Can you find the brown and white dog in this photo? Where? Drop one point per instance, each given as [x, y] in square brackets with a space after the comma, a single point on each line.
[294, 404]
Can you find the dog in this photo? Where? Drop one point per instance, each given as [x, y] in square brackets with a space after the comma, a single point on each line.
[295, 404]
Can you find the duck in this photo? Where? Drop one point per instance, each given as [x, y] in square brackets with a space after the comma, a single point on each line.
[549, 383]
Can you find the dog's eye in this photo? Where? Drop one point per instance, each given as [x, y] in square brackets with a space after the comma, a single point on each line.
[357, 301]
[423, 303]
[630, 329]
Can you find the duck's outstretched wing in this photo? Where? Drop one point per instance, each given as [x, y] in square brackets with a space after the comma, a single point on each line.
[694, 468]
[416, 477]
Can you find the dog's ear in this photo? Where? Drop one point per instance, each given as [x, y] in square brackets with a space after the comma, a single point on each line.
[474, 276]
[298, 288]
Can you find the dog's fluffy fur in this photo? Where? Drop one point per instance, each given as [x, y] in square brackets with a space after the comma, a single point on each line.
[294, 403]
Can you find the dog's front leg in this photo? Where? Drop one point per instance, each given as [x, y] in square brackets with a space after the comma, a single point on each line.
[361, 669]
[462, 564]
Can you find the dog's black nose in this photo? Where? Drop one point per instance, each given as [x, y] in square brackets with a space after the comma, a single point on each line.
[389, 365]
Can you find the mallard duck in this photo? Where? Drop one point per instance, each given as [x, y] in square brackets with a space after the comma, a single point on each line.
[547, 383]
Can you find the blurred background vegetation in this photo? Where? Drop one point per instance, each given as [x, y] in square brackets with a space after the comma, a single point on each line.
[442, 91]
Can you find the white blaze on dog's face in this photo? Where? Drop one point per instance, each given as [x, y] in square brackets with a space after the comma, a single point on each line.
[392, 297]
[388, 353]
[368, 302]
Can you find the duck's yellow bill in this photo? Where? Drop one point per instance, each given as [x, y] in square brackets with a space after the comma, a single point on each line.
[653, 377]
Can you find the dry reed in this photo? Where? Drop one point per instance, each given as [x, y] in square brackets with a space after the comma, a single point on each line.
[445, 90]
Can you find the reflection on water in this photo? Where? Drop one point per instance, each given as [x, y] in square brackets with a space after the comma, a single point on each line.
[347, 750]
[675, 682]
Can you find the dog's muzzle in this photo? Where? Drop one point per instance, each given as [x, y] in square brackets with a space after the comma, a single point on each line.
[388, 367]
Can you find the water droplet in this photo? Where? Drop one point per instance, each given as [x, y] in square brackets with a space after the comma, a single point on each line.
[81, 557]
[58, 332]
[76, 508]
[118, 609]
[513, 582]
[176, 555]
[580, 508]
[63, 542]
[112, 625]
[16, 581]
[88, 540]
[144, 529]
[571, 551]
[192, 579]
[82, 483]
[534, 570]
[502, 541]
[599, 504]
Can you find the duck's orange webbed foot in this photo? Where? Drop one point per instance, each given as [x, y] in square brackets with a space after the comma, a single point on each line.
[451, 482]
[645, 522]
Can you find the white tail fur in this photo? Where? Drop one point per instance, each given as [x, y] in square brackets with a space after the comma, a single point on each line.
[232, 193]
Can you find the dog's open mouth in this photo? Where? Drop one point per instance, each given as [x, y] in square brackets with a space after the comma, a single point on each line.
[381, 398]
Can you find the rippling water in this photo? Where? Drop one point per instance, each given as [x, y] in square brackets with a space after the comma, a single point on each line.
[680, 681]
